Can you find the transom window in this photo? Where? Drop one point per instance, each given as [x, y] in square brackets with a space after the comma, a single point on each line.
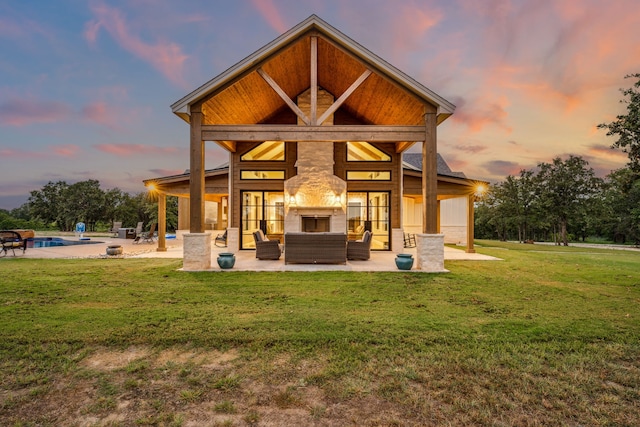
[368, 175]
[359, 151]
[261, 174]
[267, 151]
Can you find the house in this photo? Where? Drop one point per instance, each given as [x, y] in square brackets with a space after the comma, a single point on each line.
[316, 127]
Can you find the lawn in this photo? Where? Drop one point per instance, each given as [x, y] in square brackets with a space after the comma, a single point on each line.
[548, 336]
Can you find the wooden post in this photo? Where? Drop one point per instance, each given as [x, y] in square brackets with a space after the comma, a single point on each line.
[162, 222]
[196, 177]
[470, 223]
[430, 177]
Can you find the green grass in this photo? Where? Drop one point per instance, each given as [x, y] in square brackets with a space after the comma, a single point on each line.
[549, 335]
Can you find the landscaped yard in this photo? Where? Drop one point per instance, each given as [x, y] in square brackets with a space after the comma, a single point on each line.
[548, 336]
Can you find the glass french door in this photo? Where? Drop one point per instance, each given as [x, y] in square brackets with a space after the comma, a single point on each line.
[369, 210]
[262, 210]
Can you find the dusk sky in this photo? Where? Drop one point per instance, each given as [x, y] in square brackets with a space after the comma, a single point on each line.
[86, 86]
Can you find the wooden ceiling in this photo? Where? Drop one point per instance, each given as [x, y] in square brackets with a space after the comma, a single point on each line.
[250, 100]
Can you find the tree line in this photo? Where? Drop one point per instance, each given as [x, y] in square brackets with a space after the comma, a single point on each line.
[561, 201]
[564, 200]
[60, 206]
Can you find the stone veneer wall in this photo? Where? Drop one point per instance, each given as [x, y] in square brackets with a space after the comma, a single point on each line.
[315, 187]
[430, 253]
[196, 251]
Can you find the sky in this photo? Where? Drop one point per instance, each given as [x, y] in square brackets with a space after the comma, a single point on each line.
[86, 86]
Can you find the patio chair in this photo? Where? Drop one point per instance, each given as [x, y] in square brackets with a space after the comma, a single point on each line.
[360, 249]
[221, 240]
[149, 235]
[265, 248]
[115, 227]
[409, 240]
[138, 237]
[10, 241]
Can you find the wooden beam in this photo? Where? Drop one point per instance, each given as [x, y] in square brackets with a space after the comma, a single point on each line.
[404, 145]
[267, 78]
[228, 145]
[429, 176]
[313, 111]
[162, 222]
[344, 96]
[196, 175]
[312, 133]
[470, 223]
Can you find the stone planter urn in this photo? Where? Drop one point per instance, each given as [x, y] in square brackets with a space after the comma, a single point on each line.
[114, 250]
[226, 260]
[404, 261]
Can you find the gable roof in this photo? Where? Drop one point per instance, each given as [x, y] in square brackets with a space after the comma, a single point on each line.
[241, 96]
[413, 161]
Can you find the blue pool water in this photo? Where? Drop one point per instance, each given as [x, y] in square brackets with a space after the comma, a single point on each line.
[47, 242]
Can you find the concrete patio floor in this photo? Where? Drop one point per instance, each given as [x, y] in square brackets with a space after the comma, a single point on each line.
[245, 260]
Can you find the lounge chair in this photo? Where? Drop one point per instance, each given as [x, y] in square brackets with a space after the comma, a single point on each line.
[117, 225]
[10, 241]
[138, 237]
[149, 235]
[265, 248]
[221, 240]
[360, 249]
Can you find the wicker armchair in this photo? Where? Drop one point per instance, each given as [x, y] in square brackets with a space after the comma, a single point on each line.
[360, 249]
[265, 248]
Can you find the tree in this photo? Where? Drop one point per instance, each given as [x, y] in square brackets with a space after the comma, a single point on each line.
[622, 196]
[564, 189]
[47, 204]
[627, 126]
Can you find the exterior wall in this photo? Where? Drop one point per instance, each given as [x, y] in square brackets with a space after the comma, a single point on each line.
[453, 218]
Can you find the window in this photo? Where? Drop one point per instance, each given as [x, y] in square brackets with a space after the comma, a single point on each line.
[261, 174]
[369, 211]
[365, 152]
[262, 210]
[368, 175]
[267, 151]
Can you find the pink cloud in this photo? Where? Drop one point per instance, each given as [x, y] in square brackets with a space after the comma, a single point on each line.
[18, 154]
[473, 149]
[270, 12]
[20, 112]
[411, 25]
[126, 150]
[101, 113]
[65, 150]
[164, 56]
[481, 112]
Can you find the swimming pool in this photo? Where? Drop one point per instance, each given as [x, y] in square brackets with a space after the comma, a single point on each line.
[47, 242]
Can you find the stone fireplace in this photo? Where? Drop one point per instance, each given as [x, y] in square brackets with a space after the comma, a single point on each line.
[315, 192]
[315, 224]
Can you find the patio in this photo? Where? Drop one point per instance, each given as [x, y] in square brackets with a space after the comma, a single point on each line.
[245, 260]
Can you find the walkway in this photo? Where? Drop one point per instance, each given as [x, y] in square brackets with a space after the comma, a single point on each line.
[245, 260]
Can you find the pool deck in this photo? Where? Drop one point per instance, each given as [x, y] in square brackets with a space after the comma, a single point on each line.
[245, 260]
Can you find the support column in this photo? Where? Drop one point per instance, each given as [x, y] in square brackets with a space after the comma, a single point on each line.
[470, 223]
[430, 244]
[196, 177]
[197, 244]
[430, 176]
[162, 222]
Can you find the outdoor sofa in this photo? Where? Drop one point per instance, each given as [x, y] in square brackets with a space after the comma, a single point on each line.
[315, 248]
